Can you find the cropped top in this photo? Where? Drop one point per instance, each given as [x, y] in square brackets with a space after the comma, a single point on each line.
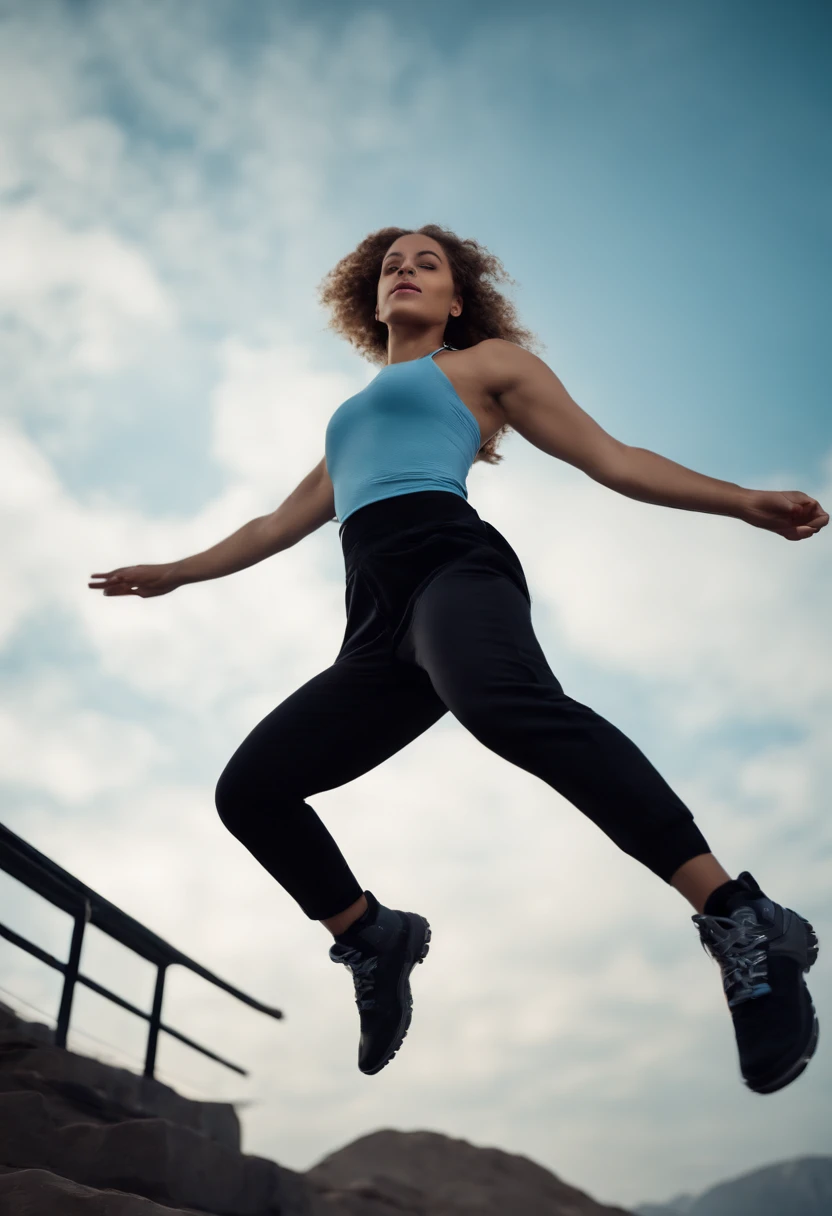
[408, 430]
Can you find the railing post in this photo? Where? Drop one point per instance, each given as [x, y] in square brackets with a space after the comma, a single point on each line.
[155, 1019]
[63, 890]
[71, 974]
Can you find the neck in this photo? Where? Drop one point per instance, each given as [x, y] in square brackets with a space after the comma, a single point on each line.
[403, 348]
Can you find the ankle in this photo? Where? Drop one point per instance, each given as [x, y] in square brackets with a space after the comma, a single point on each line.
[698, 878]
[718, 902]
[340, 923]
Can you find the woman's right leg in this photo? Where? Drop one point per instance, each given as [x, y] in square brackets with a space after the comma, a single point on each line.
[340, 724]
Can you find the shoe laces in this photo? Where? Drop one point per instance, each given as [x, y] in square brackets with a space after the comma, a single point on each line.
[362, 967]
[738, 947]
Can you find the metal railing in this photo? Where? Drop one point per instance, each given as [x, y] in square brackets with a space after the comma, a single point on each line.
[86, 906]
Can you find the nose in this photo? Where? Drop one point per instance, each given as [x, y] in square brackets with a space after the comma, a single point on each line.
[400, 277]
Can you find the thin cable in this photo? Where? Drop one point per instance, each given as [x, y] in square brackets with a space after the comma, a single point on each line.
[85, 1034]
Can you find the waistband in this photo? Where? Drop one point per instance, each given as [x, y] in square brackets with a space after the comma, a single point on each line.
[391, 515]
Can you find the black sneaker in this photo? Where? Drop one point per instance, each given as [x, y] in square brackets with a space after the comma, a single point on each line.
[763, 950]
[381, 948]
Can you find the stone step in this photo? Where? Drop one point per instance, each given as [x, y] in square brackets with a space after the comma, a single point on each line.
[39, 1193]
[106, 1090]
[151, 1157]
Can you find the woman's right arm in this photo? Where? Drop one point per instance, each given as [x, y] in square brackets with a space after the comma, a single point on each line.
[310, 505]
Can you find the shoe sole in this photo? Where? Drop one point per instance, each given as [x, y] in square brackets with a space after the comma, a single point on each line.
[417, 947]
[794, 1070]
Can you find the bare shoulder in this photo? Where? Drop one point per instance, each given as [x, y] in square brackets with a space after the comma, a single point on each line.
[533, 401]
[502, 365]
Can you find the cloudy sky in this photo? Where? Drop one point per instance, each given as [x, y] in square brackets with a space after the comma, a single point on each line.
[175, 181]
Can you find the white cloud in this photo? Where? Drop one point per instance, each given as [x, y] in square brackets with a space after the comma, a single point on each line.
[271, 396]
[86, 294]
[50, 743]
[158, 646]
[723, 620]
[86, 154]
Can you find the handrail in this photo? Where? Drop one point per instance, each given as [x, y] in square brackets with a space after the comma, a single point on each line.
[38, 872]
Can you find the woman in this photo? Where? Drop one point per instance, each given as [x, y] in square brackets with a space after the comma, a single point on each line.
[438, 618]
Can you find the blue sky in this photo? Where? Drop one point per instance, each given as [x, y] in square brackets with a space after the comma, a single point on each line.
[174, 184]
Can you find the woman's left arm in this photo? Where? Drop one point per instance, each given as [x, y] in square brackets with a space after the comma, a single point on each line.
[535, 403]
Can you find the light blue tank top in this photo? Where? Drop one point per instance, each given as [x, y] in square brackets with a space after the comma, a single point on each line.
[408, 430]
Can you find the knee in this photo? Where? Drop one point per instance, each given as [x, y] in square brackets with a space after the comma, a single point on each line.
[229, 796]
[245, 792]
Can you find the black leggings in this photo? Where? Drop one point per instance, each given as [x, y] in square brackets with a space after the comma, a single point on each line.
[438, 619]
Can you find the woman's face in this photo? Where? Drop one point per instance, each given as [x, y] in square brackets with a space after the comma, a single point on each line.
[420, 261]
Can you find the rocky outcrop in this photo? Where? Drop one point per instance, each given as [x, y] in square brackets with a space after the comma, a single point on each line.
[75, 1131]
[428, 1174]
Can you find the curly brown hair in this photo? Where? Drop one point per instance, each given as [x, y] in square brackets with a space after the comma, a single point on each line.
[349, 291]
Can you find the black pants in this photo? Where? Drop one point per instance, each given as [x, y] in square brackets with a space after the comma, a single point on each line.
[438, 619]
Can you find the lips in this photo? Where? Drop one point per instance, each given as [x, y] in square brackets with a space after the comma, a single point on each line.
[406, 287]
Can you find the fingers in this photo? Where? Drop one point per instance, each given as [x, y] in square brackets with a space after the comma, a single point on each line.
[817, 523]
[817, 517]
[116, 582]
[817, 520]
[119, 589]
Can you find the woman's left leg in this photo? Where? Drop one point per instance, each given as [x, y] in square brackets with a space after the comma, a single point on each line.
[471, 631]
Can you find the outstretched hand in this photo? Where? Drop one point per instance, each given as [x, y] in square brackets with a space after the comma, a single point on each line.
[144, 581]
[790, 513]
